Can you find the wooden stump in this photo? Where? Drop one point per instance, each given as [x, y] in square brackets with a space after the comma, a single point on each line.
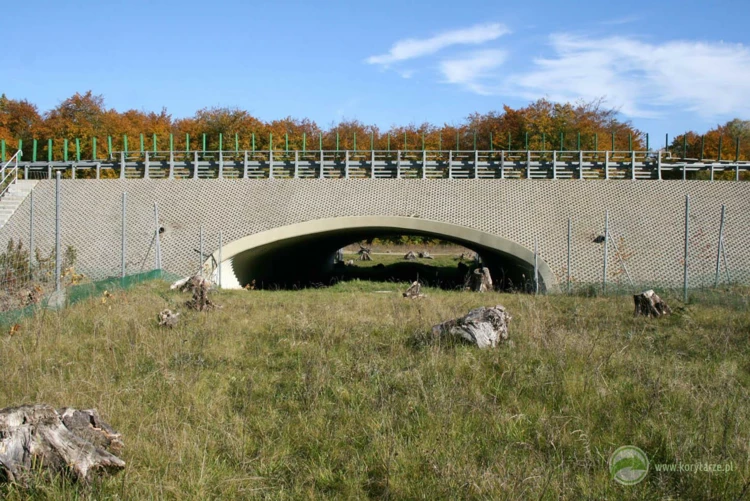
[479, 280]
[483, 327]
[64, 441]
[364, 253]
[410, 256]
[425, 255]
[414, 291]
[648, 304]
[199, 286]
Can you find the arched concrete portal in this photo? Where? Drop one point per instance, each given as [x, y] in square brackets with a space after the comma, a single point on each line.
[283, 252]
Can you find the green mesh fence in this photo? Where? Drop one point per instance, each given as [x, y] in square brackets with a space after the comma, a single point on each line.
[81, 292]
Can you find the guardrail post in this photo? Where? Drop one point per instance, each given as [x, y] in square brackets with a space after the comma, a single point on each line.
[221, 162]
[398, 164]
[321, 175]
[502, 164]
[296, 164]
[476, 158]
[195, 165]
[658, 165]
[270, 164]
[632, 164]
[372, 162]
[346, 164]
[171, 163]
[580, 163]
[122, 165]
[146, 166]
[450, 164]
[424, 160]
[554, 162]
[528, 164]
[606, 165]
[244, 166]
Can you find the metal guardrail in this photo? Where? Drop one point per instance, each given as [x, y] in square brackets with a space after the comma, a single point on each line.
[395, 164]
[9, 177]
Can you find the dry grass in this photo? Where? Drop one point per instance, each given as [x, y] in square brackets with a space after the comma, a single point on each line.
[338, 393]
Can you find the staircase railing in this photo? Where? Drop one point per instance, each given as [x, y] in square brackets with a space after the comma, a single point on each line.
[9, 176]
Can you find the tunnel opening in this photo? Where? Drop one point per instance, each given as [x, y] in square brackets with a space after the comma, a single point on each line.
[304, 255]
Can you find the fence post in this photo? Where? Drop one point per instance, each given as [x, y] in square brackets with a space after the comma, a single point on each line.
[536, 266]
[720, 246]
[31, 233]
[687, 246]
[200, 263]
[569, 242]
[606, 250]
[58, 257]
[158, 242]
[219, 263]
[123, 238]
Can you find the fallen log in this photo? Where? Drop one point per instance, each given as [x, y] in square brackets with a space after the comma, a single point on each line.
[425, 255]
[483, 327]
[648, 304]
[38, 437]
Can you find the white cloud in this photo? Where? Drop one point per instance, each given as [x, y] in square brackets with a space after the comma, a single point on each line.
[412, 48]
[710, 79]
[471, 70]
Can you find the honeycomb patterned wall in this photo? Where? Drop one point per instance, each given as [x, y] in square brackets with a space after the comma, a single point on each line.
[646, 218]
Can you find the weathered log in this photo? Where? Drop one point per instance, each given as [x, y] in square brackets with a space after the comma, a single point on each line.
[484, 327]
[425, 255]
[168, 319]
[64, 441]
[479, 280]
[648, 304]
[410, 256]
[414, 291]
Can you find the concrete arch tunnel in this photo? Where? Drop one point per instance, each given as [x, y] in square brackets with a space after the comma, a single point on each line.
[304, 252]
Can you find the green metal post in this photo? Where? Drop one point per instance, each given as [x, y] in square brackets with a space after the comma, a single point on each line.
[49, 150]
[221, 141]
[544, 141]
[65, 150]
[423, 141]
[142, 145]
[93, 148]
[526, 141]
[562, 141]
[20, 147]
[646, 141]
[270, 141]
[440, 142]
[703, 144]
[737, 150]
[684, 146]
[154, 142]
[337, 140]
[171, 143]
[613, 141]
[304, 142]
[372, 140]
[389, 141]
[109, 145]
[630, 142]
[286, 142]
[33, 151]
[125, 143]
[596, 142]
[457, 142]
[509, 142]
[720, 138]
[187, 142]
[666, 141]
[320, 139]
[578, 142]
[236, 142]
[2, 150]
[78, 150]
[355, 142]
[475, 140]
[204, 143]
[252, 138]
[404, 140]
[492, 148]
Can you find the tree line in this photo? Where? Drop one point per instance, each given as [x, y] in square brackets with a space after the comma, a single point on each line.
[82, 126]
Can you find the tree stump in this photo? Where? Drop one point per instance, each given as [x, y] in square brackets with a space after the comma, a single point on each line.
[168, 319]
[425, 255]
[414, 291]
[479, 280]
[364, 253]
[199, 287]
[483, 327]
[64, 441]
[410, 256]
[648, 304]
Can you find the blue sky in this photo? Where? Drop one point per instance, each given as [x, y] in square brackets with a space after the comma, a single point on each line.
[667, 65]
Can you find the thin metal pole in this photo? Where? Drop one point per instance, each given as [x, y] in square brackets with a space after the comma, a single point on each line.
[200, 263]
[606, 251]
[219, 264]
[31, 232]
[569, 241]
[536, 267]
[58, 256]
[123, 250]
[622, 261]
[158, 243]
[720, 246]
[687, 247]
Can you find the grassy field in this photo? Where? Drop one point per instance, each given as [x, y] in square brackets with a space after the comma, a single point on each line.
[340, 393]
